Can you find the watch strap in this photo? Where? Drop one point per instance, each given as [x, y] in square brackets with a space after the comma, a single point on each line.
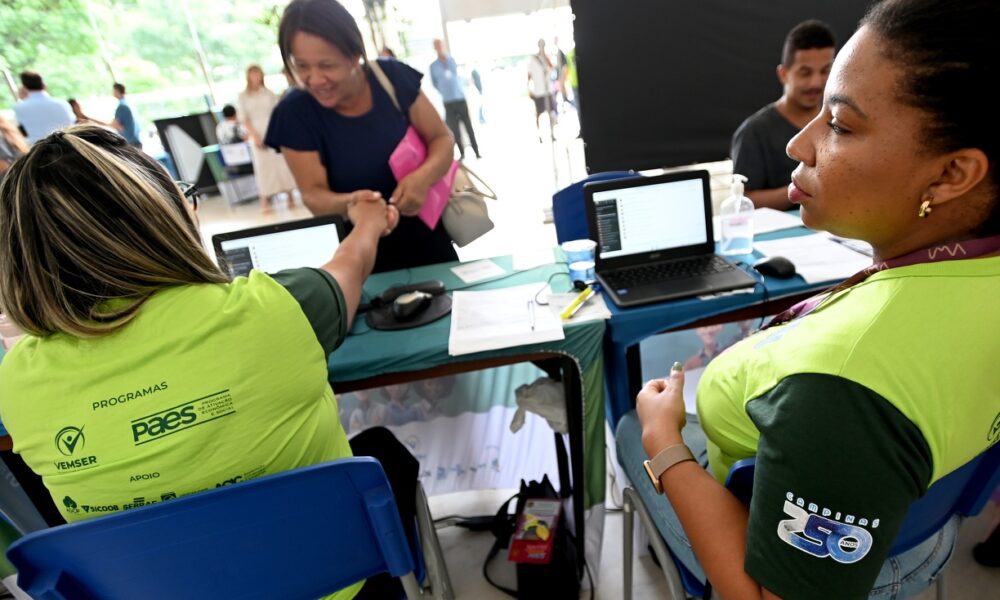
[664, 459]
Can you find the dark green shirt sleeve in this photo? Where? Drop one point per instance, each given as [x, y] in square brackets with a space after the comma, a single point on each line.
[319, 295]
[837, 469]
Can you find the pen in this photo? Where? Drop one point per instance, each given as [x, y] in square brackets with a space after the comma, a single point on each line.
[577, 302]
[531, 313]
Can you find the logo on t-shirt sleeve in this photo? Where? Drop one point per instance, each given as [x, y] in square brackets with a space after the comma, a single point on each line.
[814, 532]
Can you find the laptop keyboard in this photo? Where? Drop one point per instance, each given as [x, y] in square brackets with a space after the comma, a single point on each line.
[676, 269]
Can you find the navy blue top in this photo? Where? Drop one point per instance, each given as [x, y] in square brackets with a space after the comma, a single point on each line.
[355, 152]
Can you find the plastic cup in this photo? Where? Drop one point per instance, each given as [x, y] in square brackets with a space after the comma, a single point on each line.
[579, 250]
[582, 270]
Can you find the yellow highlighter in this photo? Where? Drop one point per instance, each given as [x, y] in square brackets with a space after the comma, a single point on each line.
[577, 302]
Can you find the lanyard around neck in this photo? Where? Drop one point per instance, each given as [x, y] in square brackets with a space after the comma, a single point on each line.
[945, 252]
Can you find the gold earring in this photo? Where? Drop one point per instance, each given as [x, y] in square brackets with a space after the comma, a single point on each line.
[925, 208]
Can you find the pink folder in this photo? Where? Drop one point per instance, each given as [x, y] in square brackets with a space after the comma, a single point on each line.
[410, 154]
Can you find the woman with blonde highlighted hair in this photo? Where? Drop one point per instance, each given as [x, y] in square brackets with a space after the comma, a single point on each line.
[146, 373]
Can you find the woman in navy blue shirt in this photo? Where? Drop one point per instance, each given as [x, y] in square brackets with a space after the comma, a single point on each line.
[338, 131]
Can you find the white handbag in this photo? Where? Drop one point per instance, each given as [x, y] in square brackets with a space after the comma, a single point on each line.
[466, 217]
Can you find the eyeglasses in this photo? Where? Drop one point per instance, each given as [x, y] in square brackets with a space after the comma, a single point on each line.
[190, 192]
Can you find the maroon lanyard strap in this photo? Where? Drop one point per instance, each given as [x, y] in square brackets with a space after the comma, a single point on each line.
[945, 252]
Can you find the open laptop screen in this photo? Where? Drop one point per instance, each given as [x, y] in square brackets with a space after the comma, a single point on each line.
[305, 243]
[646, 218]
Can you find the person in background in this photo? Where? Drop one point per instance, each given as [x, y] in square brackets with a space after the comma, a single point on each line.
[230, 130]
[574, 81]
[79, 114]
[386, 52]
[758, 146]
[339, 129]
[477, 82]
[125, 122]
[562, 72]
[857, 401]
[131, 324]
[12, 145]
[444, 76]
[256, 104]
[540, 70]
[39, 114]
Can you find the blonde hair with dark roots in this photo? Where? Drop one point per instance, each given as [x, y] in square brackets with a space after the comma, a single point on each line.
[91, 228]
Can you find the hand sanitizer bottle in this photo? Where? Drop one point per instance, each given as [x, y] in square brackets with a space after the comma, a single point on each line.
[736, 221]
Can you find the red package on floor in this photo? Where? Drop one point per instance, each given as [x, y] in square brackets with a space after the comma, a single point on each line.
[535, 531]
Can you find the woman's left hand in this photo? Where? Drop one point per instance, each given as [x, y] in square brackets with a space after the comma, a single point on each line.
[410, 194]
[660, 408]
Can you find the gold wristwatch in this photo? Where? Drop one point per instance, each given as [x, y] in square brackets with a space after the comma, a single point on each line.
[668, 457]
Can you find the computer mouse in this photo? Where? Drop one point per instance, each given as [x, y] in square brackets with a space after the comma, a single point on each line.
[407, 306]
[775, 266]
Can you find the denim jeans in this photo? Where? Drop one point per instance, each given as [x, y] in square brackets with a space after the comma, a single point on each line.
[902, 576]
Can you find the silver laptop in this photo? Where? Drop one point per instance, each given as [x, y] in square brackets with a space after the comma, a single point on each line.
[655, 241]
[271, 248]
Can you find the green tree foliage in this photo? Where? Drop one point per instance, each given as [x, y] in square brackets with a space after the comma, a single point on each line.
[54, 38]
[147, 42]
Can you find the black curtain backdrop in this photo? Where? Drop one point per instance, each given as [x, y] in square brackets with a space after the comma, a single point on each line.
[667, 82]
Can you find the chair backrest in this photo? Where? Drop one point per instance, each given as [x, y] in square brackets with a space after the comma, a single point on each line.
[297, 534]
[963, 492]
[568, 211]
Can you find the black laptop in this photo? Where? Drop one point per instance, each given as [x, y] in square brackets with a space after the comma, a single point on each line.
[271, 248]
[654, 239]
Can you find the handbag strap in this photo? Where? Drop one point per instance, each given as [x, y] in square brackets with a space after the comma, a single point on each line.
[489, 193]
[386, 84]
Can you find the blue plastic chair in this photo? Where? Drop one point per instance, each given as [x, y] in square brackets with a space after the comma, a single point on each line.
[298, 534]
[963, 492]
[568, 212]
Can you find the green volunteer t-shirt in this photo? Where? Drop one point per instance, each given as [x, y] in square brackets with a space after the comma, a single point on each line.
[209, 385]
[853, 412]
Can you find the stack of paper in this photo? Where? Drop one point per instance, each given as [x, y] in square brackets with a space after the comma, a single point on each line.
[817, 258]
[479, 270]
[503, 318]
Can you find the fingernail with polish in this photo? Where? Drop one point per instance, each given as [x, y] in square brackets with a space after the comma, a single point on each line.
[677, 368]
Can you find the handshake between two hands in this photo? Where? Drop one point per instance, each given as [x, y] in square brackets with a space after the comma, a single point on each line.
[367, 206]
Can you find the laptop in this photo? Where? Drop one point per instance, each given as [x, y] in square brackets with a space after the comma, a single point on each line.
[271, 248]
[655, 241]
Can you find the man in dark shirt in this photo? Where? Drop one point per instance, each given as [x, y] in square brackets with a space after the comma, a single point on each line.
[758, 147]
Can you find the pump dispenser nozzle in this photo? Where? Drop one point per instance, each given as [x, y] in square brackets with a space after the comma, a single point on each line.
[738, 181]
